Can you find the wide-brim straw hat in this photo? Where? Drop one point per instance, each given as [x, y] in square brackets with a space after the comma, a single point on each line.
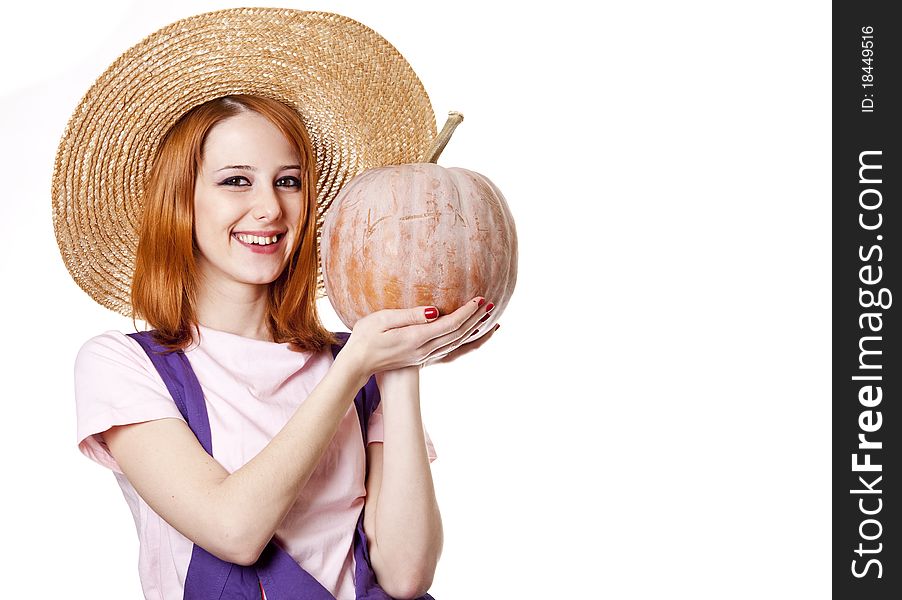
[361, 102]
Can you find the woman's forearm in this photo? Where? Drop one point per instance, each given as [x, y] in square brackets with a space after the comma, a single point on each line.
[406, 522]
[259, 494]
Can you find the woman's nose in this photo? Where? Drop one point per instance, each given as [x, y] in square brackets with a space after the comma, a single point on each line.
[267, 206]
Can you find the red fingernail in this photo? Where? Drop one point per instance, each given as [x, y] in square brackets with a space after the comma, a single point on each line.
[481, 301]
[431, 312]
[484, 318]
[490, 306]
[474, 333]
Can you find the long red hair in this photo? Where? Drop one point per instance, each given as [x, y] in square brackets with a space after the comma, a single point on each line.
[164, 288]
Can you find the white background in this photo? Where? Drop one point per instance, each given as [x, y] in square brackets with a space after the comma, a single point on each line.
[652, 420]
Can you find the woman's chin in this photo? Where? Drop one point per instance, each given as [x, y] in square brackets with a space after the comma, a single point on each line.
[258, 279]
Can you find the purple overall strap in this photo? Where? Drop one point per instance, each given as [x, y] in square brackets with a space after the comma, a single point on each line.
[211, 578]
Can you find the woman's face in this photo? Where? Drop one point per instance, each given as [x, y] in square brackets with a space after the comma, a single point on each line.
[247, 202]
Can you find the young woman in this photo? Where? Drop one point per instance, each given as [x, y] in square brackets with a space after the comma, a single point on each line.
[288, 463]
[225, 275]
[288, 442]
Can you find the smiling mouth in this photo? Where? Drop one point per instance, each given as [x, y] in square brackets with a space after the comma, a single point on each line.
[260, 244]
[258, 240]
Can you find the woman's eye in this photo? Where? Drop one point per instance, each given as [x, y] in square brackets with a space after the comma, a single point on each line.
[241, 181]
[235, 180]
[289, 182]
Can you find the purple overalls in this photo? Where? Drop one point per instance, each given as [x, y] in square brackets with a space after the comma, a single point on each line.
[210, 578]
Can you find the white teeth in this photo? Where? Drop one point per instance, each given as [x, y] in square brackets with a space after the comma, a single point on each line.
[256, 239]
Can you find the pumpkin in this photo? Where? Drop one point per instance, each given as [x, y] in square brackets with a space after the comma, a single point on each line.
[418, 234]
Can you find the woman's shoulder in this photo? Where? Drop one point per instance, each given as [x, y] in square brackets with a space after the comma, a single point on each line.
[113, 370]
[111, 348]
[115, 384]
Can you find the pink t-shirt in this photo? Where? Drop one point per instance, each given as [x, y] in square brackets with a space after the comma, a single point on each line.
[252, 387]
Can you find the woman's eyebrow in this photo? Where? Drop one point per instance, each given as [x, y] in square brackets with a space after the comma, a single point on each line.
[254, 169]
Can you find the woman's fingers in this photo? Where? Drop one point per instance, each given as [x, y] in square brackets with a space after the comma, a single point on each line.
[467, 319]
[446, 356]
[395, 338]
[395, 318]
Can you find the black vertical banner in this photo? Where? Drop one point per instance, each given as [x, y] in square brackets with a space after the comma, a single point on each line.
[867, 268]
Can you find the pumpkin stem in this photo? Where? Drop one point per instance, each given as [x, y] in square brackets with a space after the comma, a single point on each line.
[441, 140]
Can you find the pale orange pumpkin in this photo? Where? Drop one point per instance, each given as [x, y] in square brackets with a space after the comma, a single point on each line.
[418, 234]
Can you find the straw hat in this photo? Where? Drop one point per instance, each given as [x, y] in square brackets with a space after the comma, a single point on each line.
[360, 100]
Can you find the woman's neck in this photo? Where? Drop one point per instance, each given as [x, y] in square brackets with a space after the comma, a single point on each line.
[234, 307]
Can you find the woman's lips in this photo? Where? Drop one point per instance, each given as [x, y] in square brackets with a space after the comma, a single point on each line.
[261, 249]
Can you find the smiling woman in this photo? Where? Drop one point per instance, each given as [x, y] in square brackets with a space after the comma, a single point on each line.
[261, 455]
[248, 164]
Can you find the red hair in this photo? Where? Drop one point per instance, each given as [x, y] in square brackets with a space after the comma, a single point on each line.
[164, 288]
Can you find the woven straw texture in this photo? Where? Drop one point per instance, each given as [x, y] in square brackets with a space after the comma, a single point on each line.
[360, 100]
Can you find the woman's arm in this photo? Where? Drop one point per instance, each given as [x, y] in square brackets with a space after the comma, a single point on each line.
[233, 516]
[402, 519]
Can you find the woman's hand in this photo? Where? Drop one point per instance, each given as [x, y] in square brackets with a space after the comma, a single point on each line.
[462, 349]
[451, 355]
[396, 338]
